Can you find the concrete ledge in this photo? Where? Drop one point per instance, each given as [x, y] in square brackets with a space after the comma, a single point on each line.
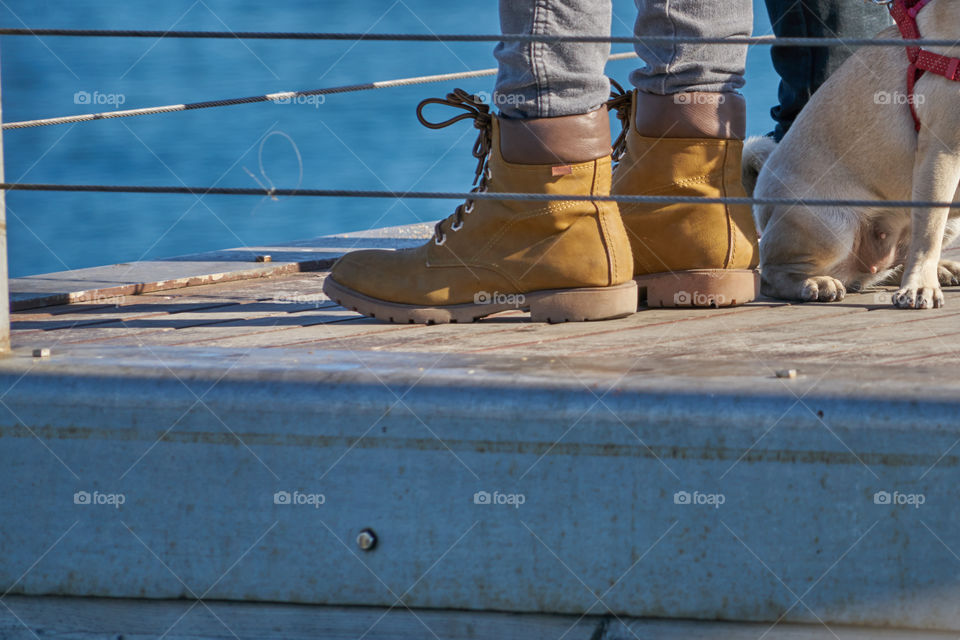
[621, 472]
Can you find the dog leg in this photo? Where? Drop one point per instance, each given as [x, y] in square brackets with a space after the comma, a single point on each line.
[799, 252]
[935, 177]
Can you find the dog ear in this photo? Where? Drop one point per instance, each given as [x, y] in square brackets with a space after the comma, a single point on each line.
[756, 150]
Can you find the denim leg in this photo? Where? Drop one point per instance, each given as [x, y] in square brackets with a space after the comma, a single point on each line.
[677, 68]
[803, 69]
[540, 80]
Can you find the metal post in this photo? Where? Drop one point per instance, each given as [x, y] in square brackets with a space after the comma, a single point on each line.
[4, 288]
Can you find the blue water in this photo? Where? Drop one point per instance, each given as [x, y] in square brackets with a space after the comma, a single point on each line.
[368, 140]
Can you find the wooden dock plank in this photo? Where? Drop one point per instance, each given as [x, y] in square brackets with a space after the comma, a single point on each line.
[218, 266]
[290, 311]
[136, 317]
[157, 328]
[797, 335]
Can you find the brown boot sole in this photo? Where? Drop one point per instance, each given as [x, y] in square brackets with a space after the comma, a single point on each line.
[556, 305]
[699, 288]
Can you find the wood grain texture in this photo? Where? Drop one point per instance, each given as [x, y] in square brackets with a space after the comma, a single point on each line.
[228, 265]
[290, 311]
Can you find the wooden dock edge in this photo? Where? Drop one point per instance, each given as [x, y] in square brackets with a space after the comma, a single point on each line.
[207, 446]
[27, 618]
[103, 284]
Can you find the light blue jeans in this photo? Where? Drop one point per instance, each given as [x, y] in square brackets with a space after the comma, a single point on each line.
[539, 80]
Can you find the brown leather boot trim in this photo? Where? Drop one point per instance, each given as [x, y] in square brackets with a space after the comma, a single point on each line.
[691, 115]
[565, 139]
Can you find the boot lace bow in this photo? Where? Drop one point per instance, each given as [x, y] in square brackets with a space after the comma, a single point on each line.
[474, 108]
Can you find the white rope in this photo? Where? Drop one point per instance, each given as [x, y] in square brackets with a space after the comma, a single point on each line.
[270, 97]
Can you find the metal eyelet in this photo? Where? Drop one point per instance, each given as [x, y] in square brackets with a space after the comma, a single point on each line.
[469, 207]
[439, 241]
[456, 226]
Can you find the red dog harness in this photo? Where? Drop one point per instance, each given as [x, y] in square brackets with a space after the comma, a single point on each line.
[905, 12]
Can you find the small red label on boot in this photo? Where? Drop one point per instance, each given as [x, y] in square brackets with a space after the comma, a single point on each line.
[562, 170]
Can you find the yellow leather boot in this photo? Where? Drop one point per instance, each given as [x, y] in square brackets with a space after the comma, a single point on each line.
[699, 255]
[562, 260]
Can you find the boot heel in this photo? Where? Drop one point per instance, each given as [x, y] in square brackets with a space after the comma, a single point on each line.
[577, 305]
[699, 288]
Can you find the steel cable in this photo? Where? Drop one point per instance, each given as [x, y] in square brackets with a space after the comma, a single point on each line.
[456, 37]
[456, 195]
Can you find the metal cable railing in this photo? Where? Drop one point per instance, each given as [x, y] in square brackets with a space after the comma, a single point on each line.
[473, 195]
[456, 37]
[359, 193]
[393, 37]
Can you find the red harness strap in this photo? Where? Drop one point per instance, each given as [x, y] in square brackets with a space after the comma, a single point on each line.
[905, 12]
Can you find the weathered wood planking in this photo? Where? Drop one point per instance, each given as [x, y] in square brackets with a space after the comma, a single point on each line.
[163, 328]
[229, 265]
[291, 312]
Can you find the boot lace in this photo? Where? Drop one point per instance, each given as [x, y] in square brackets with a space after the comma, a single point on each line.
[620, 103]
[479, 112]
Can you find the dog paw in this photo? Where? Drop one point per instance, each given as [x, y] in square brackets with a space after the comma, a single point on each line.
[918, 298]
[948, 272]
[822, 289]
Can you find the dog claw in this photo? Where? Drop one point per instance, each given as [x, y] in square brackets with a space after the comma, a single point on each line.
[922, 298]
[822, 289]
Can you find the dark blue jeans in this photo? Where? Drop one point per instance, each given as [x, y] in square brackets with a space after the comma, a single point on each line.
[803, 69]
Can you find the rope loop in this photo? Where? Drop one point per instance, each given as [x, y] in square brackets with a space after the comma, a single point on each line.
[474, 106]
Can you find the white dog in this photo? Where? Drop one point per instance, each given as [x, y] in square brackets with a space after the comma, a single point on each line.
[857, 140]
